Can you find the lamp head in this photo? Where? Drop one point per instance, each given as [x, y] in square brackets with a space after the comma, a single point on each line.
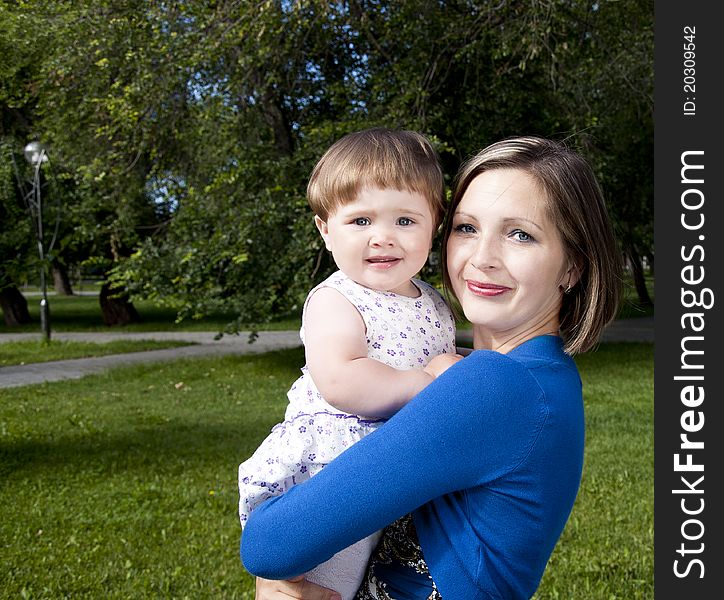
[35, 153]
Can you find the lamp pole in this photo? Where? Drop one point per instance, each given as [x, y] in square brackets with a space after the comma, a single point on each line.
[36, 155]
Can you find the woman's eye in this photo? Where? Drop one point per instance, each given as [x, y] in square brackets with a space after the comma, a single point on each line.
[522, 236]
[405, 221]
[361, 221]
[464, 228]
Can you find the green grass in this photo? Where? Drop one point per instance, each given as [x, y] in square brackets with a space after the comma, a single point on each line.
[83, 313]
[606, 550]
[35, 351]
[123, 485]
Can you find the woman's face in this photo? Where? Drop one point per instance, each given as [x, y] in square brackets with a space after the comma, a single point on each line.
[506, 260]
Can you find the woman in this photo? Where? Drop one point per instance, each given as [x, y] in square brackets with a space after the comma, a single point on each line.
[487, 459]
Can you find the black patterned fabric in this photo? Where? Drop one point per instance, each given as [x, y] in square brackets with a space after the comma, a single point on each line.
[397, 568]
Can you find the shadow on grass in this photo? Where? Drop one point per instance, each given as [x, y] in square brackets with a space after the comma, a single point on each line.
[141, 418]
[163, 448]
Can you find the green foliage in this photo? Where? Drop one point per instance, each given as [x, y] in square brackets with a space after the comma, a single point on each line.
[231, 252]
[188, 130]
[17, 252]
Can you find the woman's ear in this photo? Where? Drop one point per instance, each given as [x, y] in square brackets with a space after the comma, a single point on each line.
[323, 231]
[570, 278]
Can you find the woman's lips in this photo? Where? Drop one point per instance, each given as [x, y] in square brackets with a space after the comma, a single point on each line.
[486, 289]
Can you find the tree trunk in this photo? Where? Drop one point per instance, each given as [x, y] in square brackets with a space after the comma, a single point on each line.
[637, 270]
[115, 307]
[651, 263]
[61, 281]
[14, 307]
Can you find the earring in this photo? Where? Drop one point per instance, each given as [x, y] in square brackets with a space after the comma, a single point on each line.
[568, 287]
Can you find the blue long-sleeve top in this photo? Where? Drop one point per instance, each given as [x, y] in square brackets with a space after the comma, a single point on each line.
[488, 458]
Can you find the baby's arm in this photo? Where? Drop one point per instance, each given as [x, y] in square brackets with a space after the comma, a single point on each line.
[336, 353]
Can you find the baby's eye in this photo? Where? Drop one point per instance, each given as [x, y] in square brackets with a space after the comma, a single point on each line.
[521, 236]
[464, 228]
[405, 221]
[361, 221]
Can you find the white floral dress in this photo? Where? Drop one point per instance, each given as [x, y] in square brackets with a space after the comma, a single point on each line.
[401, 331]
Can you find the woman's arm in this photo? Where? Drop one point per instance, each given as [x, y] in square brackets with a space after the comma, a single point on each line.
[443, 441]
[336, 354]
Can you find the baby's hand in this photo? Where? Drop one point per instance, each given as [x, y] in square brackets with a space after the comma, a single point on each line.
[441, 363]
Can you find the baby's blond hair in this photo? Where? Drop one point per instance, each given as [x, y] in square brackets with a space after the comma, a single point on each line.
[377, 157]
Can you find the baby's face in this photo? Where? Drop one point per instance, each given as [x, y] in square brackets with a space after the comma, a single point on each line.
[381, 239]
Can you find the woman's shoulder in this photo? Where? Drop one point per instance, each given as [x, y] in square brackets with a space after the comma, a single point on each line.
[540, 364]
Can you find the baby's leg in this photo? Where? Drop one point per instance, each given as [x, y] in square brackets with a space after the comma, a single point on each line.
[346, 569]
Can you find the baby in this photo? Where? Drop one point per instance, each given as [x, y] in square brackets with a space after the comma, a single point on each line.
[373, 335]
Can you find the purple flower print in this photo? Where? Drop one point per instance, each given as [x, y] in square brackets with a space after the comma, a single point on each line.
[391, 352]
[302, 429]
[311, 456]
[426, 352]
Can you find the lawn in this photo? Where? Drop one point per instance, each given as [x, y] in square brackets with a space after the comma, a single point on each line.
[123, 485]
[83, 313]
[35, 351]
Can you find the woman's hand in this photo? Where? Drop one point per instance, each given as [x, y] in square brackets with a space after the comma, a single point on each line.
[299, 587]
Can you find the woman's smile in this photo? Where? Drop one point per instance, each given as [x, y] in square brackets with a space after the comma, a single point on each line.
[488, 290]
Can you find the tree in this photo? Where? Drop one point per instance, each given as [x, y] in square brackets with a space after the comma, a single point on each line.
[601, 61]
[189, 129]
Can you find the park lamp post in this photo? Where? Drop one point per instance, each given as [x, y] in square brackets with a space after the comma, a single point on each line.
[36, 155]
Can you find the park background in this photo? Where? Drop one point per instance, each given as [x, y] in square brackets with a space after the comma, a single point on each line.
[180, 136]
